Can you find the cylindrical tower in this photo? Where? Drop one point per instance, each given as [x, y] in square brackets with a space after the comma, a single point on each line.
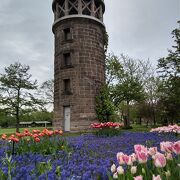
[79, 61]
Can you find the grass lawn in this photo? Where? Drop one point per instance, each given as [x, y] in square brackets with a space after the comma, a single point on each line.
[13, 130]
[136, 128]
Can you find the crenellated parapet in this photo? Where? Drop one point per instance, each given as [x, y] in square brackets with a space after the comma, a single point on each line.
[91, 8]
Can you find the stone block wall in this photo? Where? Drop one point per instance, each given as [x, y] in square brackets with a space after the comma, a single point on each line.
[86, 72]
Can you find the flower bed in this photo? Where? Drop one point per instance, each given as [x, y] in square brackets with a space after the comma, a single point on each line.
[148, 163]
[167, 129]
[107, 128]
[91, 157]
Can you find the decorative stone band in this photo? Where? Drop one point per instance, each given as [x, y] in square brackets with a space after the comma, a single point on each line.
[76, 16]
[92, 8]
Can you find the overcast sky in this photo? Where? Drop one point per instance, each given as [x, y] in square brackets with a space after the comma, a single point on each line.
[138, 28]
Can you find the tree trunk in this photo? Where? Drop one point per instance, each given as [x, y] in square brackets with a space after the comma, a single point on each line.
[140, 120]
[154, 117]
[17, 119]
[17, 111]
[127, 118]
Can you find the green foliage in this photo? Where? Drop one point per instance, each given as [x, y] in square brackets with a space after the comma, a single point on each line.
[104, 105]
[38, 116]
[46, 146]
[44, 168]
[113, 69]
[107, 132]
[10, 165]
[169, 72]
[15, 91]
[106, 41]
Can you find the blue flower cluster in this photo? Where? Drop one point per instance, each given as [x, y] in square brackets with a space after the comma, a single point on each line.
[90, 159]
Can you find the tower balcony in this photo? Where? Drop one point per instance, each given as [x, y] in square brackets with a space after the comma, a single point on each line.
[78, 8]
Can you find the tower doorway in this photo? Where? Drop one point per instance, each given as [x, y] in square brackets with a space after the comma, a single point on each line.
[67, 118]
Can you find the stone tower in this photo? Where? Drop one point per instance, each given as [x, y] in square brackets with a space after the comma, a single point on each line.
[79, 61]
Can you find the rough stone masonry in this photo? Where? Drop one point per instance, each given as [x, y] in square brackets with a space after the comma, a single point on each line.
[79, 62]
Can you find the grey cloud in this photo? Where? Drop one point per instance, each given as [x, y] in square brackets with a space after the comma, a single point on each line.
[139, 28]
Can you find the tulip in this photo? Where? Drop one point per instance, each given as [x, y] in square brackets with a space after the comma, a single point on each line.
[56, 131]
[166, 146]
[169, 156]
[120, 158]
[120, 170]
[138, 178]
[140, 148]
[60, 132]
[168, 173]
[4, 136]
[152, 151]
[176, 147]
[159, 160]
[127, 159]
[143, 171]
[115, 176]
[133, 169]
[133, 157]
[35, 135]
[113, 168]
[37, 139]
[142, 157]
[156, 177]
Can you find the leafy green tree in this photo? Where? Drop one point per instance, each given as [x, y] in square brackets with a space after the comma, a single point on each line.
[16, 89]
[113, 69]
[129, 86]
[104, 105]
[169, 72]
[40, 115]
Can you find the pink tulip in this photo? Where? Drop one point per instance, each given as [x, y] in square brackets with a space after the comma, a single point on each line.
[159, 160]
[156, 177]
[139, 148]
[142, 157]
[120, 158]
[138, 178]
[127, 159]
[176, 147]
[152, 151]
[166, 146]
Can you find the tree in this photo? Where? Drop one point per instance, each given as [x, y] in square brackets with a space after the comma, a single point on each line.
[129, 86]
[46, 93]
[113, 69]
[104, 105]
[15, 89]
[169, 72]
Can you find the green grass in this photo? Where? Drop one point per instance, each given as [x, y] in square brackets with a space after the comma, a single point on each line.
[13, 130]
[136, 128]
[140, 128]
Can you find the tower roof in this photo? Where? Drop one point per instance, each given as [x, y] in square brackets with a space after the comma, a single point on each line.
[94, 8]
